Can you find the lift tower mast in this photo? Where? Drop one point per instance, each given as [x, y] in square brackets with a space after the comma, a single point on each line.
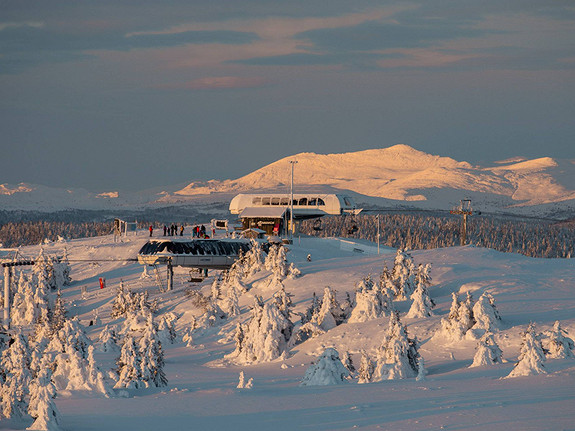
[464, 210]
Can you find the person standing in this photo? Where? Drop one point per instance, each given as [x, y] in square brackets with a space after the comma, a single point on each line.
[165, 230]
[151, 230]
[182, 230]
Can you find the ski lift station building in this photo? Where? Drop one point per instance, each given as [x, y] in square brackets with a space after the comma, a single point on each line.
[271, 212]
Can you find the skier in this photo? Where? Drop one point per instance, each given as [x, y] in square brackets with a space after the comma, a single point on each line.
[309, 257]
[165, 229]
[151, 230]
[182, 230]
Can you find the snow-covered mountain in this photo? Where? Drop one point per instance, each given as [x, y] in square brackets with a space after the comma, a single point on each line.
[401, 173]
[396, 176]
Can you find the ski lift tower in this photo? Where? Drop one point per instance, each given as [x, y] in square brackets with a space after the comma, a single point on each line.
[465, 211]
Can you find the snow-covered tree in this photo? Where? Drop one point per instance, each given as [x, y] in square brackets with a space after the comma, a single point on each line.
[327, 370]
[368, 304]
[44, 270]
[366, 368]
[282, 300]
[422, 303]
[254, 259]
[59, 314]
[42, 407]
[347, 362]
[487, 352]
[95, 377]
[459, 320]
[23, 307]
[531, 357]
[465, 313]
[264, 337]
[485, 313]
[167, 328]
[71, 338]
[329, 314]
[557, 344]
[398, 355]
[108, 341]
[15, 367]
[128, 363]
[403, 274]
[151, 358]
[242, 384]
[312, 310]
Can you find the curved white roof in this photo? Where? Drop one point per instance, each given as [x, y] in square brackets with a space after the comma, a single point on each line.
[304, 204]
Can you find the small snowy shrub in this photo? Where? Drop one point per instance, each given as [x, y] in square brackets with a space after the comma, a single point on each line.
[328, 370]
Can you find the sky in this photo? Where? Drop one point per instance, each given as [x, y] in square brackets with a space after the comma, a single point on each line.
[131, 95]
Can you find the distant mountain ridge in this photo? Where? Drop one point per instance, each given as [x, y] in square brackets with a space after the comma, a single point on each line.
[397, 176]
[403, 173]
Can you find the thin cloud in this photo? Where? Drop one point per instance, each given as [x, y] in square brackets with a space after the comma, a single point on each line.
[218, 83]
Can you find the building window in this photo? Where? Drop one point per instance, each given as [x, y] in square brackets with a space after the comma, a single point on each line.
[303, 201]
[257, 201]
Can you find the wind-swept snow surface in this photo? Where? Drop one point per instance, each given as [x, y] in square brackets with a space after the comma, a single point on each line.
[202, 379]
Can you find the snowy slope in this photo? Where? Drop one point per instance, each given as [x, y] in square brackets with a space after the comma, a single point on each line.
[202, 393]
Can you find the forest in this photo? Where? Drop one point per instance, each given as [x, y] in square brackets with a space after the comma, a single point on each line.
[531, 237]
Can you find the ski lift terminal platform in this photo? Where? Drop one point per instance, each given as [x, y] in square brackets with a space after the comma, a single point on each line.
[197, 253]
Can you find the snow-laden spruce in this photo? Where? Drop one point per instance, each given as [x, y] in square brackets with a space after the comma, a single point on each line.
[30, 301]
[403, 275]
[42, 407]
[557, 344]
[15, 378]
[487, 352]
[531, 357]
[366, 368]
[141, 362]
[485, 314]
[371, 302]
[264, 337]
[108, 340]
[421, 305]
[398, 355]
[459, 320]
[167, 328]
[327, 370]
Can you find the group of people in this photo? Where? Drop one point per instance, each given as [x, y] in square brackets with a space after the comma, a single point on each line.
[199, 232]
[173, 230]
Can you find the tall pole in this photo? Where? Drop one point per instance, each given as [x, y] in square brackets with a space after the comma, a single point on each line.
[292, 162]
[7, 279]
[377, 234]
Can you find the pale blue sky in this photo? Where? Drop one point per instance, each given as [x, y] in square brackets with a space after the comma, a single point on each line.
[111, 95]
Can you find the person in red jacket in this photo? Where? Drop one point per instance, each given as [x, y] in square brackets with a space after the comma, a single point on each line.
[151, 229]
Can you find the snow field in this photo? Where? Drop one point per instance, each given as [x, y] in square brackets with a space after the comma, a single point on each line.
[202, 388]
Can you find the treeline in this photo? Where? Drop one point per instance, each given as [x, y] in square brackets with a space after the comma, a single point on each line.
[14, 234]
[534, 238]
